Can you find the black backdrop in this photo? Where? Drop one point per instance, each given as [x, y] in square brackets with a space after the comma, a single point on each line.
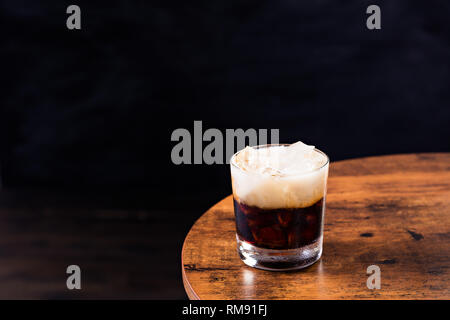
[94, 109]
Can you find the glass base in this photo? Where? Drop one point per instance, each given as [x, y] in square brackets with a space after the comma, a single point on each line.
[279, 260]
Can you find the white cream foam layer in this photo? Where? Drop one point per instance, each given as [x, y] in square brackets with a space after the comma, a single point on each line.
[279, 176]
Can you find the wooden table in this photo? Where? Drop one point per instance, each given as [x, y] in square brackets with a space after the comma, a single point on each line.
[389, 211]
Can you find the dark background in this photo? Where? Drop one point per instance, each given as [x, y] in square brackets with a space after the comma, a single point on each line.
[87, 115]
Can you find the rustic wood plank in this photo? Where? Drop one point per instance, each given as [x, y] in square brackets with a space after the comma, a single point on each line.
[391, 211]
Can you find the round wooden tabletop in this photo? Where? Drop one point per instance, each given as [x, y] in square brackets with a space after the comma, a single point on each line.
[389, 211]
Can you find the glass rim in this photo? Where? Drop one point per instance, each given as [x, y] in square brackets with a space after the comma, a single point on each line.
[232, 162]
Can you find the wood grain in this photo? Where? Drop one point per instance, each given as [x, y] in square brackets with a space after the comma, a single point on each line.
[390, 211]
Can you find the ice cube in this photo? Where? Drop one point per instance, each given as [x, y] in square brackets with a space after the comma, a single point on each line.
[299, 148]
[271, 237]
[297, 158]
[279, 161]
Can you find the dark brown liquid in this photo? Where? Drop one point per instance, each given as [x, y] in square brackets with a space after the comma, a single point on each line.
[283, 228]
